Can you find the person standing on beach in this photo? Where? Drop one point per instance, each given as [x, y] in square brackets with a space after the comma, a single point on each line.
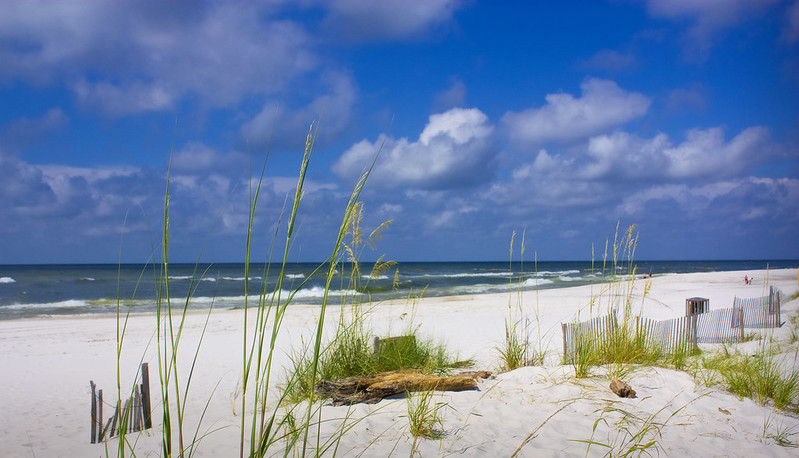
[746, 279]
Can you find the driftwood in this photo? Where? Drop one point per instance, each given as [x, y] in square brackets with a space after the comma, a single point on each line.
[372, 388]
[622, 389]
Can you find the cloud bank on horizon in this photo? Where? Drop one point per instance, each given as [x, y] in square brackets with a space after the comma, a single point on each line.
[490, 117]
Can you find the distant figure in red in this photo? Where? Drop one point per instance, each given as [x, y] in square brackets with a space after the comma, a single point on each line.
[746, 279]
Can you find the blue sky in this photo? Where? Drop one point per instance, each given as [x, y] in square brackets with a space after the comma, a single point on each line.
[560, 119]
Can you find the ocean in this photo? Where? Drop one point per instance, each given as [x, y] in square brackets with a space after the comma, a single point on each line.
[47, 290]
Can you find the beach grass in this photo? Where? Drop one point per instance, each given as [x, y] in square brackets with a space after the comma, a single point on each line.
[520, 348]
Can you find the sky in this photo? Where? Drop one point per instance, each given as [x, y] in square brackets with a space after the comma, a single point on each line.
[560, 121]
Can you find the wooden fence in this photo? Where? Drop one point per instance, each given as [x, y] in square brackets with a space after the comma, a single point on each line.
[669, 335]
[712, 326]
[134, 414]
[758, 312]
[594, 329]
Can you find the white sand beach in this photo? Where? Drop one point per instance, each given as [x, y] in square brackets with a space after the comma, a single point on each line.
[47, 364]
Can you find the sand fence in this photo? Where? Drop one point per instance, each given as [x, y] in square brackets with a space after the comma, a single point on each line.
[700, 325]
[133, 415]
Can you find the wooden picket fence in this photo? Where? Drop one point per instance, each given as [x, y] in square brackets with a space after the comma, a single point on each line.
[133, 415]
[594, 330]
[759, 312]
[668, 335]
[711, 326]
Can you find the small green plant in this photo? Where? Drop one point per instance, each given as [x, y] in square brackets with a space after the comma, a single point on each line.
[425, 418]
[635, 434]
[517, 350]
[757, 376]
[583, 357]
[784, 436]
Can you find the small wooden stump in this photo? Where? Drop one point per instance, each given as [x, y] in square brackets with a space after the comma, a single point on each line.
[621, 389]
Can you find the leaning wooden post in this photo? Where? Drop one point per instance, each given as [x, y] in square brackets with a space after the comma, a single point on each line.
[94, 413]
[565, 355]
[145, 396]
[114, 420]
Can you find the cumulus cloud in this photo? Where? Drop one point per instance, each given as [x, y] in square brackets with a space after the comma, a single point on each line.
[454, 149]
[594, 177]
[357, 20]
[739, 200]
[602, 105]
[144, 55]
[286, 127]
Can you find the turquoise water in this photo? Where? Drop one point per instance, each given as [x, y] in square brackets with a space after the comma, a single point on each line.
[40, 290]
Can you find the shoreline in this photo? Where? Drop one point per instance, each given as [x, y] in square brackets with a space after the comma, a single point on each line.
[52, 359]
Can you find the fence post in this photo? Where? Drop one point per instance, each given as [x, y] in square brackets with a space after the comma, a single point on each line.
[145, 396]
[695, 331]
[94, 413]
[741, 321]
[100, 416]
[563, 327]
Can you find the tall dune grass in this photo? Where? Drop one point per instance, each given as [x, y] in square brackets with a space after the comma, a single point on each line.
[261, 426]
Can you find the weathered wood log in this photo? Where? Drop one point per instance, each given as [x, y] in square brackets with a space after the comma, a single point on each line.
[622, 389]
[372, 388]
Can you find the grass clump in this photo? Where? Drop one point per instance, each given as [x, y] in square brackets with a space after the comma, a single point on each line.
[351, 351]
[517, 350]
[425, 418]
[635, 434]
[759, 377]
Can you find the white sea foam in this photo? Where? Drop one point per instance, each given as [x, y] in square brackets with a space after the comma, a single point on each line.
[537, 282]
[72, 303]
[240, 278]
[189, 277]
[556, 273]
[7, 280]
[296, 276]
[470, 275]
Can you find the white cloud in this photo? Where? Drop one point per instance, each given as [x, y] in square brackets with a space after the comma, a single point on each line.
[708, 17]
[791, 31]
[741, 199]
[691, 99]
[356, 20]
[603, 105]
[132, 98]
[704, 153]
[454, 149]
[454, 96]
[610, 60]
[287, 127]
[23, 131]
[145, 55]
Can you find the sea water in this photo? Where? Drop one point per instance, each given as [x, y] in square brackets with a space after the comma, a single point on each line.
[44, 290]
